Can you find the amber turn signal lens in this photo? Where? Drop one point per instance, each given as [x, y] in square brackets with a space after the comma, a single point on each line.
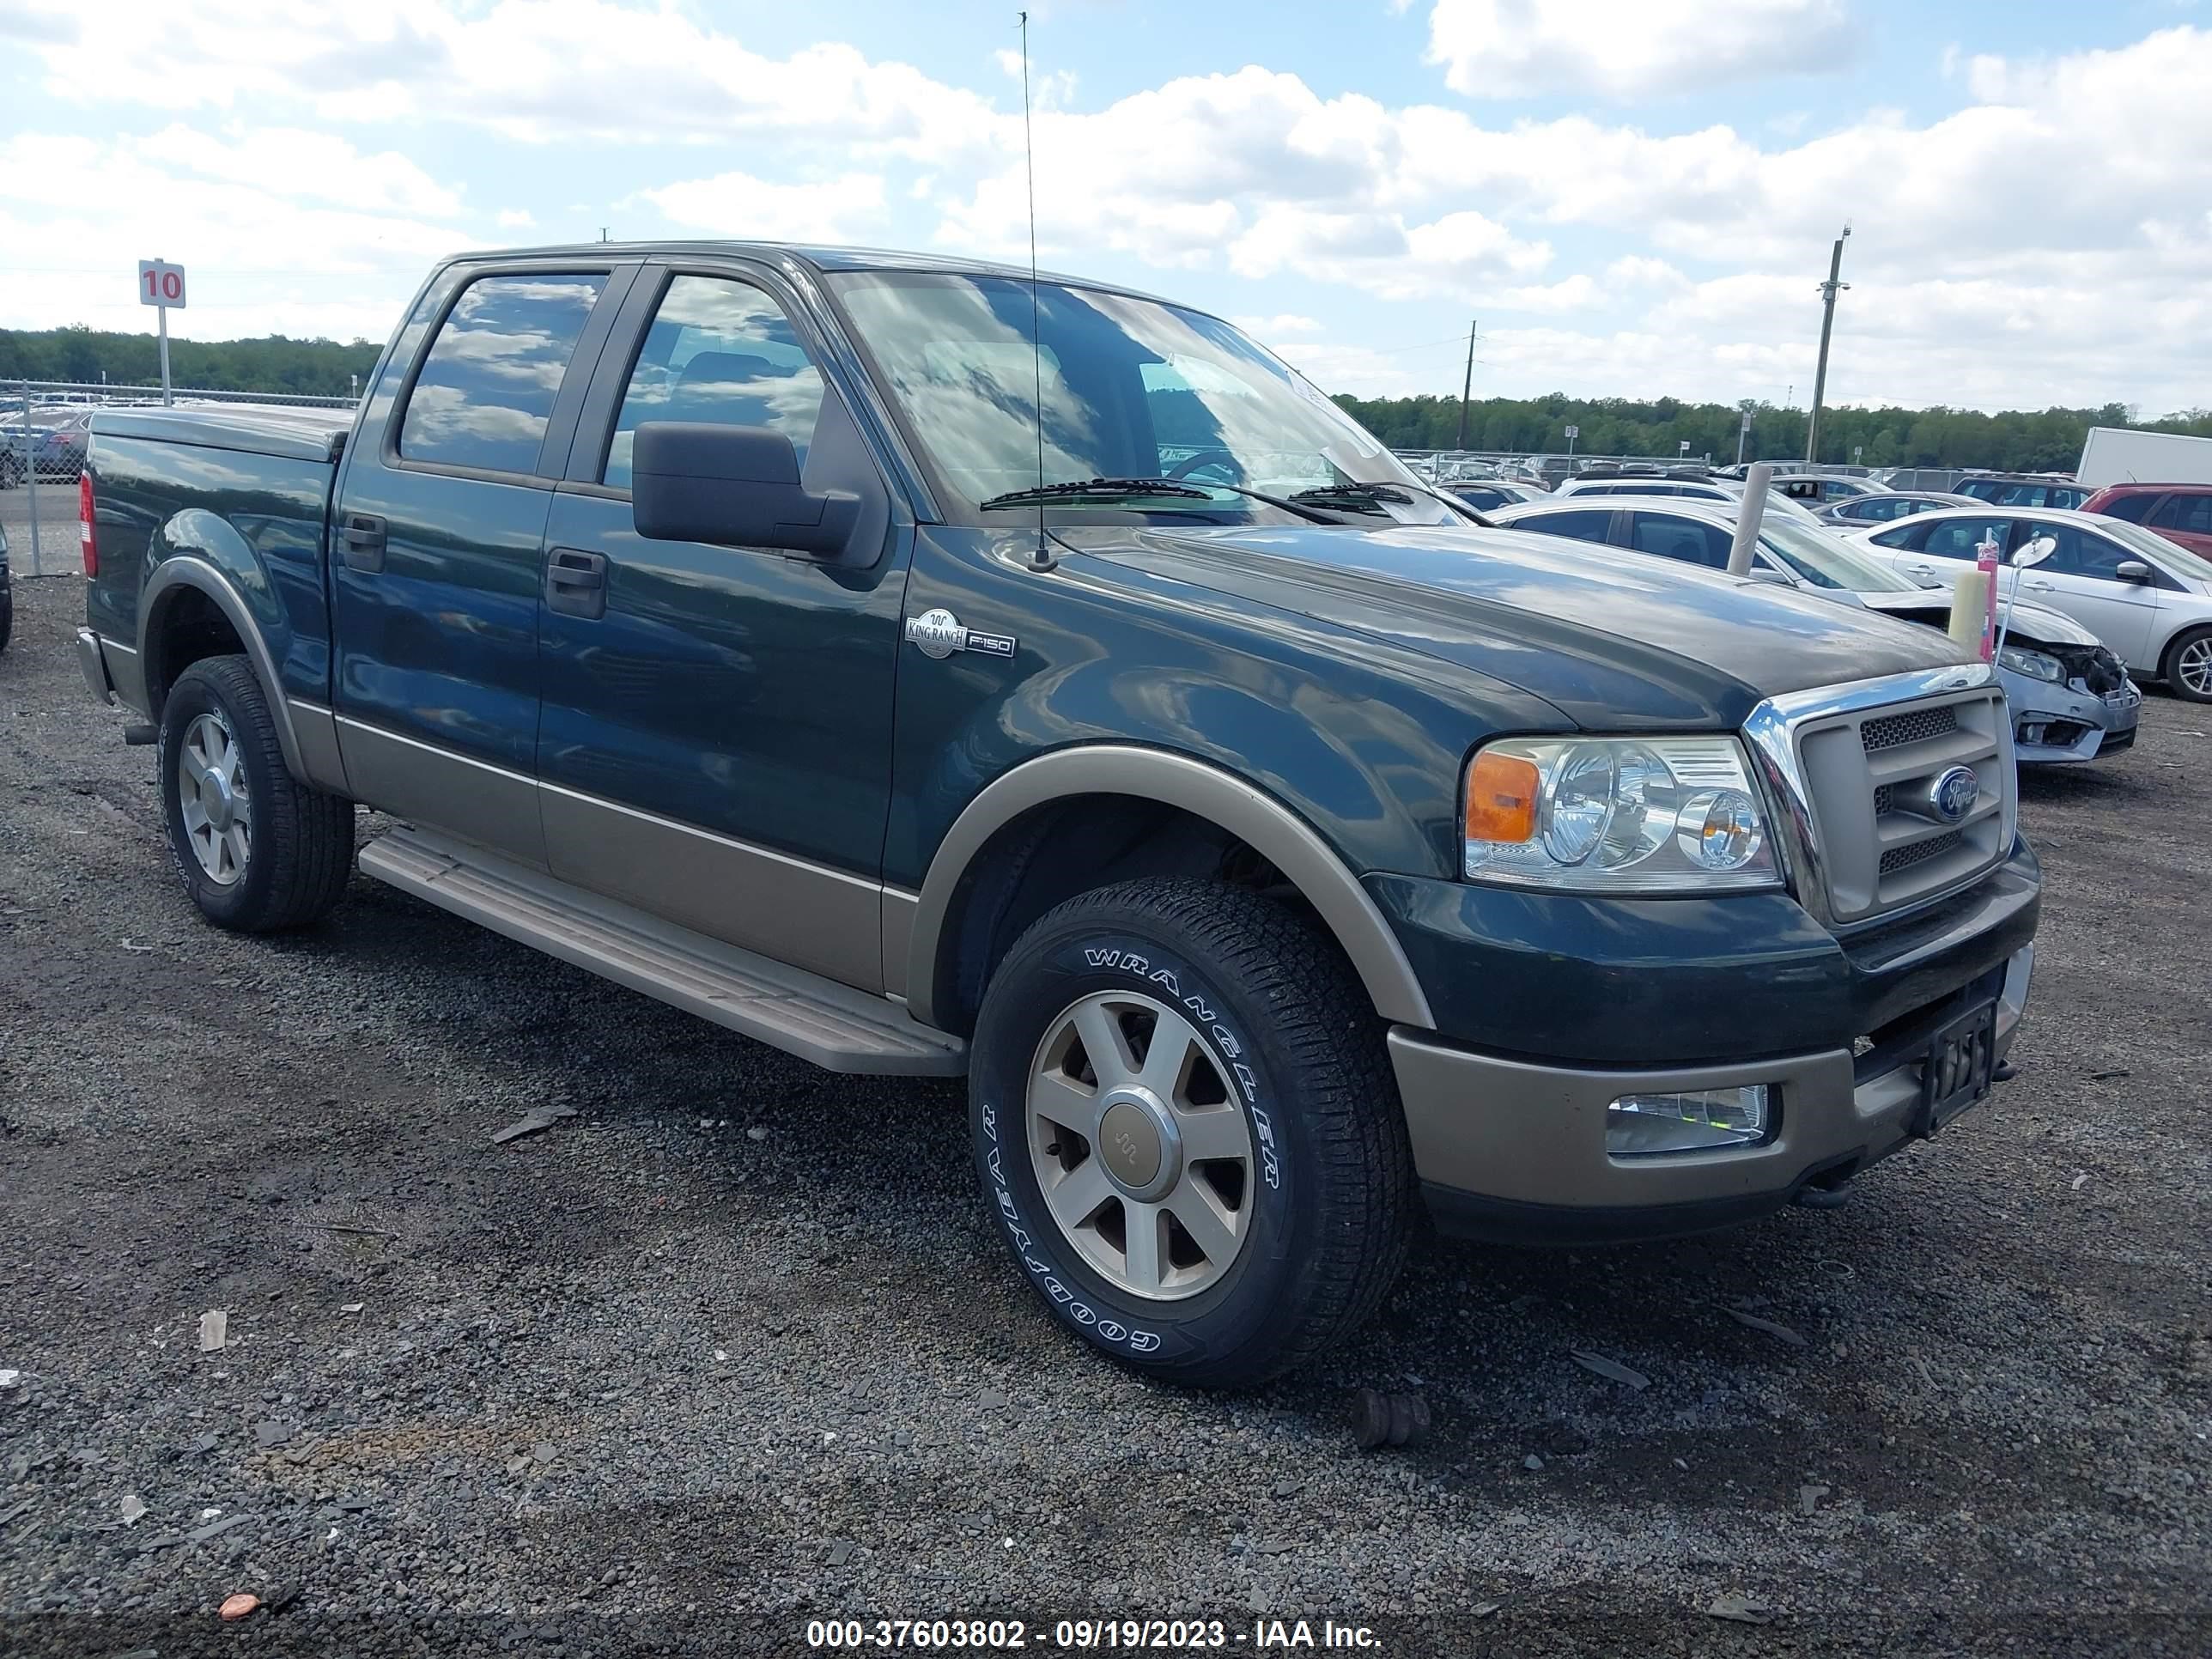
[1501, 798]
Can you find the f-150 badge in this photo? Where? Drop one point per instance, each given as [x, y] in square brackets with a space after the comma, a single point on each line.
[938, 633]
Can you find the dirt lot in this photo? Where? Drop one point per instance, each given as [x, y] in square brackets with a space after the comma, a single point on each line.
[734, 1347]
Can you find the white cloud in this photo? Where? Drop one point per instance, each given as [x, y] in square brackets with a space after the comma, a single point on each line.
[514, 219]
[261, 260]
[1623, 49]
[313, 166]
[538, 71]
[736, 204]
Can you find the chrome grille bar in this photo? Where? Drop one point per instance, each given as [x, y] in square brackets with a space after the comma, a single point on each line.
[1855, 771]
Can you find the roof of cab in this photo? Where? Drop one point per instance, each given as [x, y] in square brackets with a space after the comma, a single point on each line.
[821, 257]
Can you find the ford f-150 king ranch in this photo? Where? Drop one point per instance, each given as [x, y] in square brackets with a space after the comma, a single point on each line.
[928, 672]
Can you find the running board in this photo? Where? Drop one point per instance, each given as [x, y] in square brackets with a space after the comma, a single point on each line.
[836, 1027]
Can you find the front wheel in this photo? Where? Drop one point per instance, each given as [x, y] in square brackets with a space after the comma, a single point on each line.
[2188, 665]
[1186, 1123]
[258, 849]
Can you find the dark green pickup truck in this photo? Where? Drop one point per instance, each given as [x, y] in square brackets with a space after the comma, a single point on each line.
[927, 672]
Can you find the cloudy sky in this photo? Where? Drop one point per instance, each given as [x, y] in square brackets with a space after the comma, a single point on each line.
[1635, 196]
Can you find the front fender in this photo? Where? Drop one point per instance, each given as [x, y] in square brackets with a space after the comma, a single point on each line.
[1263, 822]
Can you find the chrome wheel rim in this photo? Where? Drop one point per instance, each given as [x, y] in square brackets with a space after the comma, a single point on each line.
[2194, 666]
[211, 789]
[1140, 1146]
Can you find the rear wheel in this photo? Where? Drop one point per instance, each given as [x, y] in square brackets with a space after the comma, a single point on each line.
[2188, 665]
[7, 616]
[258, 849]
[1187, 1125]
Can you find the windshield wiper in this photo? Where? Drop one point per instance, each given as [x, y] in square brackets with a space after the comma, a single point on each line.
[1363, 495]
[1103, 489]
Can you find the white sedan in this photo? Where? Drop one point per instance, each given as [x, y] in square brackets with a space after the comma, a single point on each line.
[2148, 599]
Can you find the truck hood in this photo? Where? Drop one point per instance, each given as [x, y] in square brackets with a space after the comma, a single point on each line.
[1612, 639]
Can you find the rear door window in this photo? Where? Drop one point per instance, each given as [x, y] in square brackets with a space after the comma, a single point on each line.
[1686, 541]
[1960, 538]
[1589, 526]
[486, 391]
[2189, 514]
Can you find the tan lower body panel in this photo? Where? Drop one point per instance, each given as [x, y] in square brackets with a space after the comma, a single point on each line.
[316, 730]
[815, 918]
[831, 1024]
[480, 802]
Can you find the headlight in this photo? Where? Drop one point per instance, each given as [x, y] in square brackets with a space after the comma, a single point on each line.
[1617, 815]
[2033, 664]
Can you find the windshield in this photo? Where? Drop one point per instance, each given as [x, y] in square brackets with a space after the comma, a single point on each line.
[2174, 556]
[1825, 561]
[1132, 389]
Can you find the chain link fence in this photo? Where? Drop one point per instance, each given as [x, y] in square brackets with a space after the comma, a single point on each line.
[44, 428]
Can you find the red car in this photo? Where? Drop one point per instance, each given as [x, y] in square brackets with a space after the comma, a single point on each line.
[2181, 513]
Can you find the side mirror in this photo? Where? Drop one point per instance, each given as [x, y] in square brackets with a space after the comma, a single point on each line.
[2133, 570]
[1764, 572]
[731, 486]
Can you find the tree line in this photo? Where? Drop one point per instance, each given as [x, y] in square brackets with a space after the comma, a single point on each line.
[2015, 441]
[275, 363]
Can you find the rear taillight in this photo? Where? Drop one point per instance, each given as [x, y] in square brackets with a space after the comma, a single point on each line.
[86, 544]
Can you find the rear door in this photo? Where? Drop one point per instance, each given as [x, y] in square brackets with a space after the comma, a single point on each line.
[2080, 579]
[716, 736]
[439, 520]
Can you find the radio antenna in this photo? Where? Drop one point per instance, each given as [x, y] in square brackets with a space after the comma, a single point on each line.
[1042, 557]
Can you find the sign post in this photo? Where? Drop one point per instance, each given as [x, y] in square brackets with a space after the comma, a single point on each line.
[1573, 433]
[161, 285]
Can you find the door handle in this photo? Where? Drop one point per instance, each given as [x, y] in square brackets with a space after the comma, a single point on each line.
[2041, 587]
[576, 582]
[363, 536]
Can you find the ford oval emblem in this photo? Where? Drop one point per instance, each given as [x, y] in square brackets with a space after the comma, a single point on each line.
[1952, 795]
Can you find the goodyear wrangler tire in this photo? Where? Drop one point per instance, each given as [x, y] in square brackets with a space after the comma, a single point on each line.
[1186, 1123]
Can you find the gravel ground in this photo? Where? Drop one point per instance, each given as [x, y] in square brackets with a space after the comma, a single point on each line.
[734, 1347]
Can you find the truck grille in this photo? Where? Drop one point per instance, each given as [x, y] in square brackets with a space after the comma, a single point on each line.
[1889, 731]
[1878, 842]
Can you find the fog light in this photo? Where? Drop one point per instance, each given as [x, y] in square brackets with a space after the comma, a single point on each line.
[1694, 1121]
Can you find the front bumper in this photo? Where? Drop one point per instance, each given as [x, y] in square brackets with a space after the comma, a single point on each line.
[1516, 1151]
[2055, 724]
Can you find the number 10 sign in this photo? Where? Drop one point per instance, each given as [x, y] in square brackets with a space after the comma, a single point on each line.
[160, 284]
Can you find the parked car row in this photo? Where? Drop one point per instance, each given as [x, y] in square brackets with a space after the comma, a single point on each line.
[2148, 597]
[2069, 695]
[55, 449]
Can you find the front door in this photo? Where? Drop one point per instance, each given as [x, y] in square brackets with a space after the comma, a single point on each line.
[2080, 580]
[715, 739]
[435, 547]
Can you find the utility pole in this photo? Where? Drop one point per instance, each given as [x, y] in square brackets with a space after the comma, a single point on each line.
[1742, 435]
[1466, 385]
[1829, 289]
